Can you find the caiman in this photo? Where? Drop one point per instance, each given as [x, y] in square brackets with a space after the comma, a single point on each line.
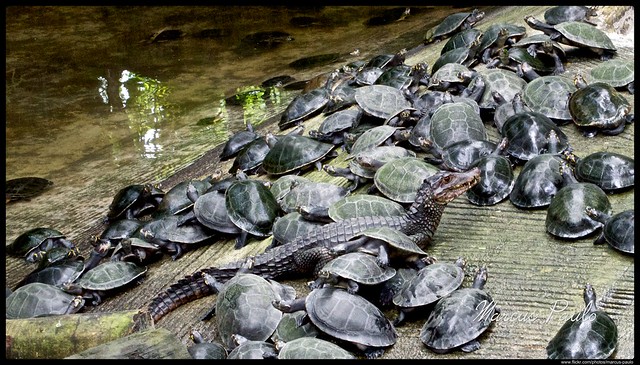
[307, 254]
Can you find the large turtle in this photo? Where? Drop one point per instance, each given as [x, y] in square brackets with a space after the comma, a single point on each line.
[458, 319]
[615, 72]
[294, 152]
[25, 188]
[611, 171]
[569, 13]
[589, 334]
[39, 300]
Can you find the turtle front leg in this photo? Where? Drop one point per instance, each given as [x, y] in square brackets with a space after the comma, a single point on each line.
[470, 346]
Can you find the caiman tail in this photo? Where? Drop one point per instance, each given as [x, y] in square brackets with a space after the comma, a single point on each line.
[307, 254]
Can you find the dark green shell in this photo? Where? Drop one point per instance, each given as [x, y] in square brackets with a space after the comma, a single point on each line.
[251, 206]
[429, 285]
[549, 95]
[38, 300]
[609, 170]
[454, 122]
[364, 205]
[313, 348]
[400, 179]
[292, 152]
[566, 216]
[111, 275]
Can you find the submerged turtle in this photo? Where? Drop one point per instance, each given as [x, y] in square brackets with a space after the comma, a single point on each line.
[589, 334]
[452, 24]
[577, 34]
[618, 229]
[25, 188]
[458, 319]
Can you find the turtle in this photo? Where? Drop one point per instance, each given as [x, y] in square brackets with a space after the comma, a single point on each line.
[388, 16]
[293, 152]
[303, 107]
[611, 171]
[283, 184]
[364, 205]
[105, 278]
[391, 287]
[312, 61]
[381, 101]
[617, 229]
[34, 243]
[540, 178]
[569, 13]
[387, 60]
[496, 37]
[243, 307]
[616, 72]
[58, 273]
[266, 39]
[362, 167]
[176, 200]
[25, 188]
[577, 34]
[134, 201]
[312, 199]
[289, 330]
[566, 216]
[290, 226]
[549, 95]
[249, 349]
[202, 349]
[400, 178]
[252, 207]
[136, 250]
[458, 319]
[452, 24]
[454, 122]
[249, 159]
[175, 239]
[354, 269]
[505, 82]
[367, 76]
[496, 178]
[462, 39]
[210, 210]
[333, 127]
[110, 237]
[430, 283]
[527, 132]
[310, 348]
[459, 156]
[599, 107]
[463, 55]
[541, 44]
[237, 141]
[39, 300]
[588, 334]
[515, 59]
[377, 136]
[453, 77]
[357, 321]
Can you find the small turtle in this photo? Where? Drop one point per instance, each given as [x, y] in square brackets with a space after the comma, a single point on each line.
[39, 300]
[303, 107]
[577, 34]
[293, 152]
[541, 44]
[33, 244]
[332, 128]
[243, 307]
[549, 95]
[345, 316]
[312, 199]
[465, 56]
[611, 171]
[458, 319]
[110, 237]
[540, 178]
[453, 77]
[505, 82]
[588, 334]
[135, 250]
[364, 205]
[202, 349]
[237, 141]
[283, 185]
[496, 37]
[452, 24]
[496, 178]
[616, 72]
[98, 282]
[598, 107]
[57, 274]
[459, 156]
[311, 348]
[462, 39]
[248, 349]
[25, 188]
[252, 207]
[566, 216]
[290, 226]
[249, 159]
[377, 136]
[514, 59]
[399, 179]
[618, 229]
[391, 287]
[289, 330]
[569, 13]
[381, 101]
[210, 210]
[134, 201]
[430, 283]
[353, 269]
[176, 200]
[175, 239]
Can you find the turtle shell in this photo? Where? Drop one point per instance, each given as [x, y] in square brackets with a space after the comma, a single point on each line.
[400, 242]
[250, 158]
[582, 34]
[459, 156]
[312, 194]
[381, 101]
[618, 230]
[39, 300]
[400, 179]
[57, 274]
[359, 267]
[349, 317]
[461, 55]
[453, 23]
[598, 105]
[566, 216]
[527, 132]
[609, 170]
[462, 39]
[366, 163]
[111, 275]
[372, 137]
[567, 13]
[454, 122]
[364, 205]
[431, 283]
[496, 180]
[303, 107]
[505, 82]
[205, 350]
[30, 243]
[283, 185]
[25, 188]
[615, 72]
[251, 350]
[331, 129]
[252, 207]
[237, 142]
[292, 152]
[549, 95]
[312, 348]
[211, 211]
[538, 181]
[289, 329]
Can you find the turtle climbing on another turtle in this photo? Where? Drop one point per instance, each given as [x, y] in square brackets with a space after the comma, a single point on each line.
[453, 24]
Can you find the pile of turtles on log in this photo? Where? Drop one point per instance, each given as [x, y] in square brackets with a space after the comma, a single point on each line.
[416, 138]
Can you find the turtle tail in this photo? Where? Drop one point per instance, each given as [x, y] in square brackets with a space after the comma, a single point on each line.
[188, 289]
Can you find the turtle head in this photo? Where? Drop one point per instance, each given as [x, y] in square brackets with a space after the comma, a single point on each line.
[480, 278]
[448, 185]
[589, 298]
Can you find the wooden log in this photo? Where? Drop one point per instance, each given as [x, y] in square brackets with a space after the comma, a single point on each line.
[56, 337]
[151, 344]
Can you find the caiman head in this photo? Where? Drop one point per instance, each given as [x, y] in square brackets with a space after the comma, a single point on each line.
[445, 186]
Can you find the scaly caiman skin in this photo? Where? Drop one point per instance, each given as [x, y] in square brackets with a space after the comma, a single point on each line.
[305, 255]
